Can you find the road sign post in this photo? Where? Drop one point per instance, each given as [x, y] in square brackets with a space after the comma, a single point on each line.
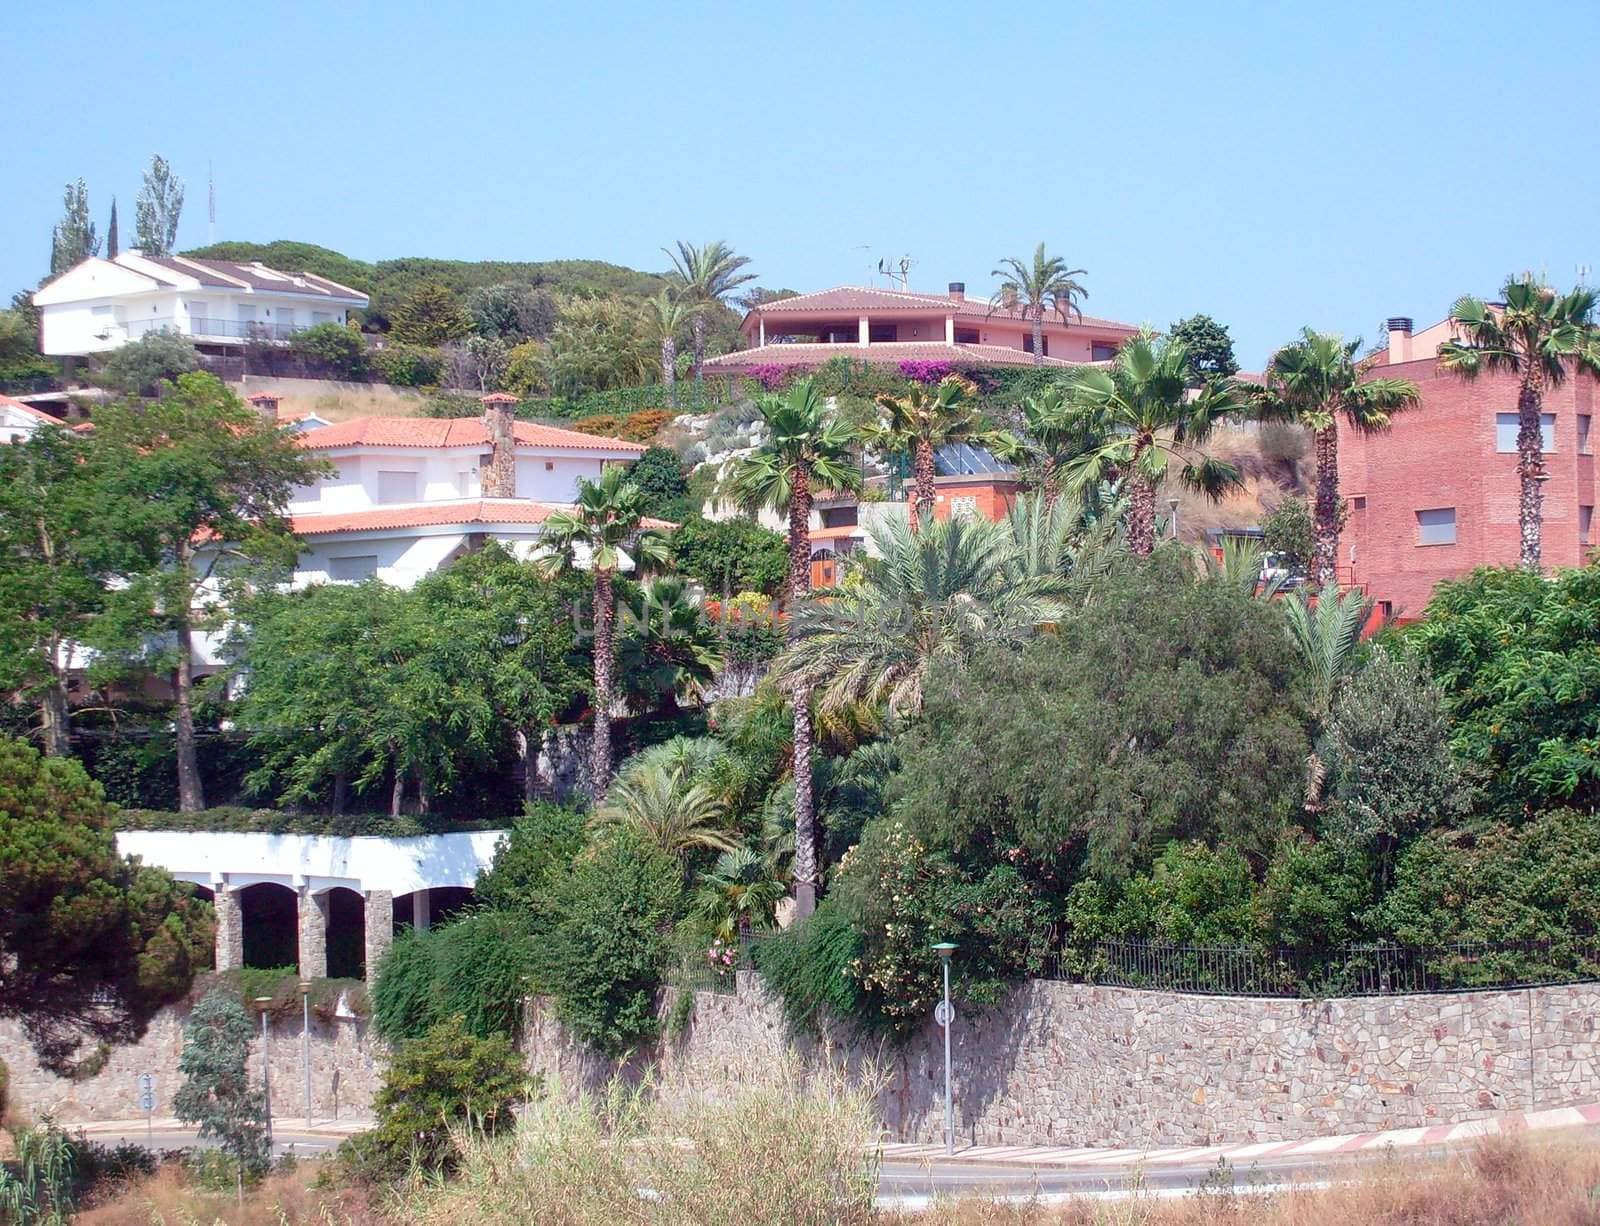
[945, 1015]
[147, 1101]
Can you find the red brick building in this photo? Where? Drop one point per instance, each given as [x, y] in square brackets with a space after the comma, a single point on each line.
[1436, 495]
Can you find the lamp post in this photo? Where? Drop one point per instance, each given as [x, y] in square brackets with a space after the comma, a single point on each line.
[945, 1015]
[305, 1041]
[1172, 506]
[262, 1002]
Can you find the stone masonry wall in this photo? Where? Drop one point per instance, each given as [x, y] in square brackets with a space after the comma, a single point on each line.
[1058, 1064]
[347, 1064]
[1067, 1064]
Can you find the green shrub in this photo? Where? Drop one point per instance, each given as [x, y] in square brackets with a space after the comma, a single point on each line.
[539, 847]
[238, 820]
[334, 346]
[477, 968]
[141, 366]
[808, 966]
[404, 365]
[602, 960]
[437, 1086]
[404, 1004]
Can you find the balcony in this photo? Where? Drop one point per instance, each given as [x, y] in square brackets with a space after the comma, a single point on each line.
[209, 329]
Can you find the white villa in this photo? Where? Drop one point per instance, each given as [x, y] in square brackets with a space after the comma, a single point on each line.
[411, 494]
[102, 304]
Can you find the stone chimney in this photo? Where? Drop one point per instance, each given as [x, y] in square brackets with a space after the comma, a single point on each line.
[1400, 328]
[958, 291]
[265, 403]
[497, 475]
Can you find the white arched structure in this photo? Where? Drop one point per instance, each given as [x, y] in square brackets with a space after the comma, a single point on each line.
[379, 869]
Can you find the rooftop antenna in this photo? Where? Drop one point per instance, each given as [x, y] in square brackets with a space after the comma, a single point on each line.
[897, 270]
[1583, 274]
[211, 206]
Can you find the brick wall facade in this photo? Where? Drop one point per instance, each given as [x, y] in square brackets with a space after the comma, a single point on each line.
[1443, 454]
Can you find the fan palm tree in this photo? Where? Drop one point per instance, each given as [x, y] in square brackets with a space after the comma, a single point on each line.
[806, 448]
[669, 808]
[1326, 630]
[706, 275]
[607, 524]
[1315, 381]
[668, 651]
[1151, 419]
[921, 421]
[1534, 335]
[1047, 284]
[665, 318]
[741, 891]
[929, 601]
[1055, 432]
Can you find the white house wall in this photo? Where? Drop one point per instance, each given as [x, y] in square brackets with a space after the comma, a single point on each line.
[442, 476]
[401, 559]
[401, 866]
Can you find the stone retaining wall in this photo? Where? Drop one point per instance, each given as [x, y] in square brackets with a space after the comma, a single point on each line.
[1067, 1064]
[1057, 1064]
[347, 1064]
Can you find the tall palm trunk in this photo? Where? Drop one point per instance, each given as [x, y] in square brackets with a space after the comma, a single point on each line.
[805, 816]
[191, 795]
[699, 347]
[1530, 463]
[669, 361]
[923, 490]
[605, 624]
[1038, 336]
[1325, 513]
[1141, 503]
[1051, 480]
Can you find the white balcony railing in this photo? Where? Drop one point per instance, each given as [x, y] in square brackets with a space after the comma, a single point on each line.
[201, 327]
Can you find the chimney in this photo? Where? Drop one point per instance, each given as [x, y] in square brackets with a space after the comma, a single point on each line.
[1400, 327]
[958, 291]
[265, 403]
[497, 475]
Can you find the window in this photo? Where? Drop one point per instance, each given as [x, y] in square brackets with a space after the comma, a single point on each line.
[967, 336]
[467, 483]
[353, 569]
[1102, 351]
[1027, 343]
[879, 334]
[1585, 520]
[1359, 503]
[1505, 432]
[1436, 526]
[397, 486]
[1583, 433]
[321, 317]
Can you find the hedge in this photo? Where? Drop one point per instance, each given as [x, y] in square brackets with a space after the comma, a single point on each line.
[233, 819]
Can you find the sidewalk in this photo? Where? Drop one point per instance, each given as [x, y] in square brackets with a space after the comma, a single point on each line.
[1252, 1151]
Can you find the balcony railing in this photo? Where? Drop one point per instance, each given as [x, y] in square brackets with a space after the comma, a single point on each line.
[200, 326]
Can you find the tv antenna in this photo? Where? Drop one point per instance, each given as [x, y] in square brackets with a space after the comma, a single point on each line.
[1583, 273]
[897, 271]
[211, 206]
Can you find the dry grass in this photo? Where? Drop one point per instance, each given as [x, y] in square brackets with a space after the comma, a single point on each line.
[1500, 1182]
[171, 1198]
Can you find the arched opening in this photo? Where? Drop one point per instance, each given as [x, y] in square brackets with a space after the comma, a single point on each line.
[270, 915]
[440, 904]
[347, 934]
[446, 902]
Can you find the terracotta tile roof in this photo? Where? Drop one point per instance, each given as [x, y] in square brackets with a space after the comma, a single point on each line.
[429, 514]
[843, 532]
[884, 352]
[451, 432]
[848, 298]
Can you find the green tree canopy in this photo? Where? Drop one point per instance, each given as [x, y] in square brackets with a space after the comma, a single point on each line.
[732, 555]
[1209, 345]
[91, 943]
[157, 209]
[431, 315]
[143, 366]
[216, 1092]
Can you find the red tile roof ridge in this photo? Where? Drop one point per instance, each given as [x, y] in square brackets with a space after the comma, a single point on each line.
[426, 432]
[462, 511]
[888, 351]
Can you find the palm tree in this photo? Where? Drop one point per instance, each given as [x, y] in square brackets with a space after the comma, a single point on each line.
[665, 318]
[1055, 432]
[1045, 285]
[740, 891]
[1315, 381]
[1533, 334]
[706, 275]
[806, 448]
[929, 601]
[920, 422]
[669, 808]
[1062, 539]
[606, 523]
[668, 651]
[1326, 631]
[1150, 417]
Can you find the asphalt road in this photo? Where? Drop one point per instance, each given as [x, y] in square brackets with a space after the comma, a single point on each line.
[284, 1141]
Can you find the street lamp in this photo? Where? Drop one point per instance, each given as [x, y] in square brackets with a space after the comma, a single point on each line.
[305, 1041]
[1172, 505]
[262, 1003]
[945, 1015]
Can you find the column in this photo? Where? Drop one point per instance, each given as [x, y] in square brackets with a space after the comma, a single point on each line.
[230, 927]
[865, 331]
[949, 329]
[313, 934]
[419, 910]
[761, 323]
[379, 928]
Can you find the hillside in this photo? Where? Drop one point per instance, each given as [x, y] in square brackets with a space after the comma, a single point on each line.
[390, 282]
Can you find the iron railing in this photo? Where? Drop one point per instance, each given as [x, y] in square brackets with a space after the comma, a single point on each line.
[1347, 970]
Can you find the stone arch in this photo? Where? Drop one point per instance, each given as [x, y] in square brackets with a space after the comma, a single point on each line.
[346, 911]
[270, 916]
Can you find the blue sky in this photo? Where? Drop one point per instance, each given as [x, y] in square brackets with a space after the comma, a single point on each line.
[1272, 164]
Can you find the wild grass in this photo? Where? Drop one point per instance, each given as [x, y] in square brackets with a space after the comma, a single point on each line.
[173, 1197]
[795, 1147]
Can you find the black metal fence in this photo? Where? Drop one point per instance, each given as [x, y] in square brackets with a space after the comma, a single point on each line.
[1349, 970]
